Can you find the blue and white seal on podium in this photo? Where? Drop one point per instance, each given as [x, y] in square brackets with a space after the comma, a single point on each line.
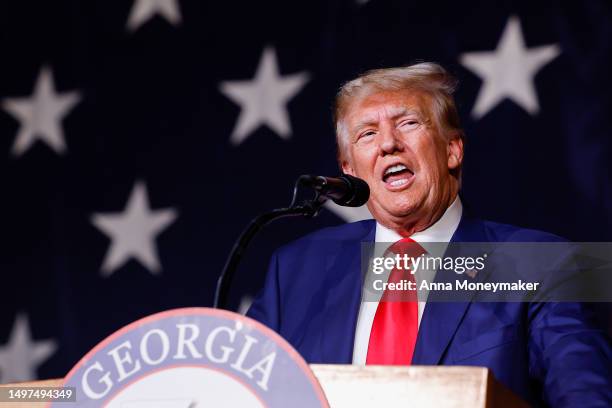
[194, 357]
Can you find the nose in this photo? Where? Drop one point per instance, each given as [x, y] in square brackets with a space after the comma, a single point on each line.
[389, 140]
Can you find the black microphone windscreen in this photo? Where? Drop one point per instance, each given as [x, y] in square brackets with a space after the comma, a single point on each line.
[360, 189]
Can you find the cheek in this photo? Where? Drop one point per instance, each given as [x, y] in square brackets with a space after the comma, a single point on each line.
[433, 159]
[364, 162]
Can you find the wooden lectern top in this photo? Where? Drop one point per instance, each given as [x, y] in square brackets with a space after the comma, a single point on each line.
[417, 386]
[350, 386]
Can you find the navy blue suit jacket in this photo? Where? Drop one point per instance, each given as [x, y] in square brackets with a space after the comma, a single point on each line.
[544, 352]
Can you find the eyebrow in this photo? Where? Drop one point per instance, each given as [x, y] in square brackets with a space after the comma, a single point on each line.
[394, 113]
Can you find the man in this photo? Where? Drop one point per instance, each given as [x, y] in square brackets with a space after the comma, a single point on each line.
[398, 129]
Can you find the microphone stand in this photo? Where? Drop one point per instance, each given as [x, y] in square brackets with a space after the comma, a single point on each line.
[308, 208]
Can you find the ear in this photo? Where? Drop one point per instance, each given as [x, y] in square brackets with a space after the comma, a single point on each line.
[347, 169]
[455, 152]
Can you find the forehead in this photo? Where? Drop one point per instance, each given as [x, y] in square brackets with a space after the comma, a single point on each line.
[380, 105]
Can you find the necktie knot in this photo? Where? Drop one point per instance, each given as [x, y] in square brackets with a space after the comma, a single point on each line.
[407, 246]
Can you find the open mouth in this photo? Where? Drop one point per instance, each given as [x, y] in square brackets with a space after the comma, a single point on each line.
[397, 175]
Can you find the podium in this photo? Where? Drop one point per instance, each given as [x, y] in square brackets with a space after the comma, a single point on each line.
[375, 386]
[418, 386]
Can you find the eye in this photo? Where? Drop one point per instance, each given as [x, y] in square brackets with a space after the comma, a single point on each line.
[409, 124]
[366, 134]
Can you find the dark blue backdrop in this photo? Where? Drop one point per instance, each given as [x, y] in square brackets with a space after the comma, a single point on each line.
[137, 98]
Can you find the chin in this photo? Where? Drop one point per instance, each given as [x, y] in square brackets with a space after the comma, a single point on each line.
[402, 206]
[394, 213]
[395, 205]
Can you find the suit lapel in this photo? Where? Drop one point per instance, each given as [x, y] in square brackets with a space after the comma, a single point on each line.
[441, 318]
[345, 281]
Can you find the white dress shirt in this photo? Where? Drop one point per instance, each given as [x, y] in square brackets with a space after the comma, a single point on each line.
[441, 231]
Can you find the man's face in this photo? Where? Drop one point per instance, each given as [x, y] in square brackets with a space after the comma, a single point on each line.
[396, 148]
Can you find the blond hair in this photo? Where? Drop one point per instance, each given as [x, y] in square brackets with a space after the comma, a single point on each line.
[426, 77]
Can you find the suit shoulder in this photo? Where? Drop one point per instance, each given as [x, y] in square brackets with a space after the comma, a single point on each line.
[511, 233]
[350, 232]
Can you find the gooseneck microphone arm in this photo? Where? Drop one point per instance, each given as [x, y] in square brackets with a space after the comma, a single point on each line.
[309, 208]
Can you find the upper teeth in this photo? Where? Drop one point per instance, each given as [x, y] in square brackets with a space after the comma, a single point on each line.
[393, 169]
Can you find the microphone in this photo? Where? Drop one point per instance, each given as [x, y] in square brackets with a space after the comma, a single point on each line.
[345, 190]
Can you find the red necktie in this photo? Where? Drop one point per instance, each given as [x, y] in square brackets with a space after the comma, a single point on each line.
[395, 327]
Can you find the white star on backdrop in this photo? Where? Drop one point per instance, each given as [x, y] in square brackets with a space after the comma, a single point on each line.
[41, 114]
[509, 71]
[21, 356]
[144, 10]
[133, 232]
[349, 214]
[263, 100]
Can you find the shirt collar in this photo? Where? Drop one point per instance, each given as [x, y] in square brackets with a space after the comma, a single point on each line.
[440, 231]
